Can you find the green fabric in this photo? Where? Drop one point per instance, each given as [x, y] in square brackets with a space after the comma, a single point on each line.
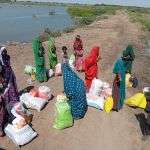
[128, 52]
[39, 61]
[52, 54]
[119, 68]
[63, 115]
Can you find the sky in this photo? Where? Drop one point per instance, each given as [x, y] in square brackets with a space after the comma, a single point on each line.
[142, 3]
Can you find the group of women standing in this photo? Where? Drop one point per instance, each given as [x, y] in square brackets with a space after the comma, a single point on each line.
[89, 65]
[74, 87]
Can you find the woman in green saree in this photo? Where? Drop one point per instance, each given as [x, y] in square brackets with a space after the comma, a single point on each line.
[129, 56]
[39, 56]
[52, 53]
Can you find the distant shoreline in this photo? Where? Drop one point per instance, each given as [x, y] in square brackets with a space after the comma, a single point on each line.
[66, 4]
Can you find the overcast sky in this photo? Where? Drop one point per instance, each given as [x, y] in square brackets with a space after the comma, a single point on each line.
[145, 3]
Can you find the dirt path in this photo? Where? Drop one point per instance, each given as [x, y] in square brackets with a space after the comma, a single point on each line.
[119, 131]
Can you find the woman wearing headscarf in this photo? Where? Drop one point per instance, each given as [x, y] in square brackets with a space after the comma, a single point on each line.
[118, 92]
[91, 67]
[52, 53]
[78, 52]
[75, 90]
[39, 57]
[129, 56]
[2, 105]
[11, 94]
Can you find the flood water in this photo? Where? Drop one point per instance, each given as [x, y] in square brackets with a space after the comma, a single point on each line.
[22, 23]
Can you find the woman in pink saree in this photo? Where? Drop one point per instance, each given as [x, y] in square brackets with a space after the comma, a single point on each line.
[78, 52]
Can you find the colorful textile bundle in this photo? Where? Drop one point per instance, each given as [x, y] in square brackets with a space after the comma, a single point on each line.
[63, 118]
[75, 90]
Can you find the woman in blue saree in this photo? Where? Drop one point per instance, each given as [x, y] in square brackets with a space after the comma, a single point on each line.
[75, 90]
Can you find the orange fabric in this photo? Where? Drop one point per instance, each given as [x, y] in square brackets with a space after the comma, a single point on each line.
[91, 68]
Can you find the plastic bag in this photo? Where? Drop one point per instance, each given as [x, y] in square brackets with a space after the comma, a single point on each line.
[44, 92]
[19, 111]
[95, 101]
[138, 100]
[28, 69]
[128, 83]
[96, 87]
[33, 102]
[58, 71]
[50, 73]
[63, 117]
[108, 105]
[20, 136]
[106, 92]
[19, 122]
[34, 92]
[72, 61]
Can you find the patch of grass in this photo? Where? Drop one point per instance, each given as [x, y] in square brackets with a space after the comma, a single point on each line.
[86, 14]
[140, 15]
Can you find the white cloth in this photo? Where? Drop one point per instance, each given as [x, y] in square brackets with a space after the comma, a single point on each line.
[1, 50]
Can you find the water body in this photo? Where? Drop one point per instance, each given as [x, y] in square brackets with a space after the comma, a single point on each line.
[22, 23]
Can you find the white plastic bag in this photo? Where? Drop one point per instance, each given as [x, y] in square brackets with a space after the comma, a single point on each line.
[72, 61]
[20, 136]
[58, 71]
[19, 122]
[33, 102]
[95, 101]
[45, 92]
[50, 73]
[96, 87]
[28, 69]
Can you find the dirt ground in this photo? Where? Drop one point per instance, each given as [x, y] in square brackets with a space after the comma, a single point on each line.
[98, 130]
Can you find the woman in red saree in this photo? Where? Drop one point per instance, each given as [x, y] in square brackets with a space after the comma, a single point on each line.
[78, 51]
[91, 67]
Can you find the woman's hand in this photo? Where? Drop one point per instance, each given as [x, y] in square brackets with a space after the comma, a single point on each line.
[98, 59]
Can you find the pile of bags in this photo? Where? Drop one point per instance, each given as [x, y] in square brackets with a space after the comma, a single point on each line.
[63, 116]
[100, 95]
[36, 98]
[19, 131]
